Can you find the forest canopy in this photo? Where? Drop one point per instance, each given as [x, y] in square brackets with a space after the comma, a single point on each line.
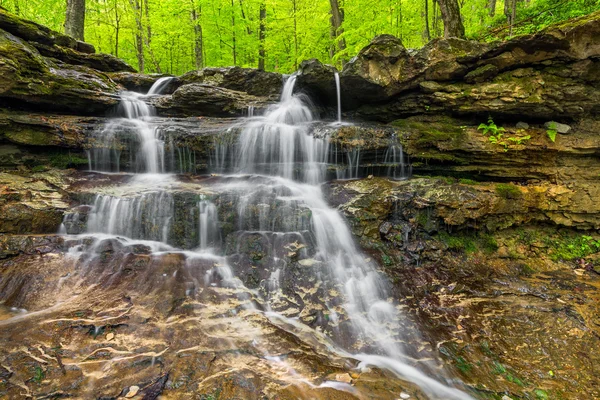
[175, 36]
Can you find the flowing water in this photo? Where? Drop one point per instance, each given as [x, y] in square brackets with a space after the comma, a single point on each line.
[338, 92]
[272, 207]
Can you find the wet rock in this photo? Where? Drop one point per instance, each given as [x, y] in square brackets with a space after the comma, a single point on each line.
[248, 80]
[140, 83]
[30, 205]
[197, 99]
[30, 78]
[317, 79]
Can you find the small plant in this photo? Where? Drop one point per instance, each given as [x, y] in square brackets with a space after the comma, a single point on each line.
[491, 127]
[519, 140]
[497, 135]
[551, 131]
[572, 248]
[38, 375]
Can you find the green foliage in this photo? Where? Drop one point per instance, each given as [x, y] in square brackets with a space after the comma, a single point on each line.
[508, 191]
[497, 135]
[295, 29]
[551, 131]
[492, 128]
[569, 248]
[541, 394]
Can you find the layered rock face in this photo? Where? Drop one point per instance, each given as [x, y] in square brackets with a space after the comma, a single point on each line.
[492, 246]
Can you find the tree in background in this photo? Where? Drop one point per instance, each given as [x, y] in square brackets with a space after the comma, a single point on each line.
[453, 26]
[262, 16]
[337, 19]
[74, 18]
[175, 36]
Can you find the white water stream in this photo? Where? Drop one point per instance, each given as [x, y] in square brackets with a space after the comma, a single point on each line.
[280, 167]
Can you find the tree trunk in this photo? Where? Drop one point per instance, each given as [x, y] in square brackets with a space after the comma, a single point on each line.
[510, 10]
[75, 18]
[139, 34]
[427, 31]
[337, 18]
[117, 28]
[453, 26]
[262, 36]
[492, 7]
[295, 37]
[198, 39]
[233, 33]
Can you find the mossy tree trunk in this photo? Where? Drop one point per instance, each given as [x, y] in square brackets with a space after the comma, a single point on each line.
[75, 18]
[453, 26]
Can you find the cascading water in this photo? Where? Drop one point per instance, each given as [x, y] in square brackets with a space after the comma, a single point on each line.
[134, 132]
[160, 85]
[276, 234]
[339, 97]
[278, 143]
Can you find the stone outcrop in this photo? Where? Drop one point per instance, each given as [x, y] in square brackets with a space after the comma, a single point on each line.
[43, 69]
[251, 81]
[553, 73]
[494, 284]
[203, 99]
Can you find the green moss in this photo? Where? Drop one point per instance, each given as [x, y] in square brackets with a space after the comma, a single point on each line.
[465, 181]
[569, 248]
[458, 242]
[508, 191]
[488, 243]
[67, 160]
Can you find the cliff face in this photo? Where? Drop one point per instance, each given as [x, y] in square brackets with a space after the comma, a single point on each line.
[492, 246]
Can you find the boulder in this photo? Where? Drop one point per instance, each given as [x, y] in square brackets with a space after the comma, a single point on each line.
[140, 83]
[318, 80]
[196, 99]
[59, 46]
[251, 81]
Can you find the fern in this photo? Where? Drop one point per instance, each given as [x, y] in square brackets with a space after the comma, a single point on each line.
[552, 132]
[491, 127]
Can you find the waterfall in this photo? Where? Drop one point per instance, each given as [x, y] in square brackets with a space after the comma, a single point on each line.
[277, 144]
[208, 230]
[394, 160]
[339, 96]
[160, 85]
[280, 144]
[135, 133]
[141, 217]
[278, 233]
